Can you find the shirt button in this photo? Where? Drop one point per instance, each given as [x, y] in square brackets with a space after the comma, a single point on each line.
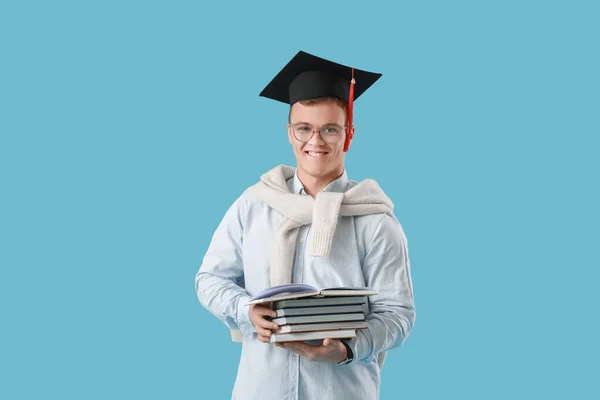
[299, 269]
[301, 240]
[294, 357]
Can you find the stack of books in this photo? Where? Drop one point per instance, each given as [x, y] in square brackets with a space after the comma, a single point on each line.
[307, 313]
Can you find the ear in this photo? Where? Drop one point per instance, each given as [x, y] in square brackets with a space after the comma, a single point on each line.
[290, 135]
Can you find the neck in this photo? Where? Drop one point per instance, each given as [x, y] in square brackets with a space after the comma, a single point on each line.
[315, 184]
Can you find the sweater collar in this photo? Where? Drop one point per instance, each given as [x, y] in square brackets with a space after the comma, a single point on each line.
[338, 185]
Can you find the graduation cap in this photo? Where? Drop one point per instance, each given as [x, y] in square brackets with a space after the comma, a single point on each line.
[307, 77]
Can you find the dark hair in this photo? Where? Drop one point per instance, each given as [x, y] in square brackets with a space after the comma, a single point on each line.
[318, 100]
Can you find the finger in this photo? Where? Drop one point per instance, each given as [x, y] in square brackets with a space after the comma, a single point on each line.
[262, 311]
[263, 323]
[312, 352]
[290, 346]
[263, 332]
[266, 311]
[331, 343]
[264, 339]
[301, 346]
[270, 314]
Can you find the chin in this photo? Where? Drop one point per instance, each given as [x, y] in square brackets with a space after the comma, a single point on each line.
[315, 170]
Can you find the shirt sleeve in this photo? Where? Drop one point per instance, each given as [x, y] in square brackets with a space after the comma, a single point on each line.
[219, 280]
[386, 269]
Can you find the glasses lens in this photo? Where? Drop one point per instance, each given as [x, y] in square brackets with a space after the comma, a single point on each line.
[303, 132]
[331, 134]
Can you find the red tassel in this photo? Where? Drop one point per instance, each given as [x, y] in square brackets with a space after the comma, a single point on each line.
[350, 110]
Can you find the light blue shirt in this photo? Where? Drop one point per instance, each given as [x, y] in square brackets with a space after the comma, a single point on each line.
[368, 250]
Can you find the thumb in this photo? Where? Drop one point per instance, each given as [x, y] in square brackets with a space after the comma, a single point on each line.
[328, 342]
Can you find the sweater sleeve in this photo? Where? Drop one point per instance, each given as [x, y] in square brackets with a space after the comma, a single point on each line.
[219, 280]
[386, 268]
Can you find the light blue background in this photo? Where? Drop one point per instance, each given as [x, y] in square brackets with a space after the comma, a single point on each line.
[120, 120]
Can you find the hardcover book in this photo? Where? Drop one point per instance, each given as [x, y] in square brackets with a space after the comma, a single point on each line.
[300, 290]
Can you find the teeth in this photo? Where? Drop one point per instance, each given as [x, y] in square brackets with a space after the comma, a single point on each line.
[311, 153]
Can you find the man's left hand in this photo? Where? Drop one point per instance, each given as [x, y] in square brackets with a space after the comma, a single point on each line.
[330, 351]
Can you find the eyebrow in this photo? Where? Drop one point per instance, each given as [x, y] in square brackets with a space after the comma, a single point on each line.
[308, 123]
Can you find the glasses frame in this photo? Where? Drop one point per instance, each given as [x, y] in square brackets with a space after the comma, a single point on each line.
[344, 130]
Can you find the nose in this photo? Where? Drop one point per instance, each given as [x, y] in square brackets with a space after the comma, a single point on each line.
[316, 138]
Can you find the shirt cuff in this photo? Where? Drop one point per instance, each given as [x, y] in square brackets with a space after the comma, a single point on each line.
[243, 319]
[360, 345]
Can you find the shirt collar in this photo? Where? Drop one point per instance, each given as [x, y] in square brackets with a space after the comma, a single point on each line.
[339, 185]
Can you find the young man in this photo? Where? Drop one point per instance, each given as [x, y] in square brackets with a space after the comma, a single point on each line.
[311, 224]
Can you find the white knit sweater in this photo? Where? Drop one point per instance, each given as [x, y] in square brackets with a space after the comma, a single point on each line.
[322, 212]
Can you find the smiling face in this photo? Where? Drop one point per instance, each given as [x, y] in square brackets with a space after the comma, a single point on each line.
[318, 162]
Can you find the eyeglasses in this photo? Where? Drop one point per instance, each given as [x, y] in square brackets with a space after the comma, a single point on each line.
[330, 133]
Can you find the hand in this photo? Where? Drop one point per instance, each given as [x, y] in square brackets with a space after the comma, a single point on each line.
[330, 351]
[263, 327]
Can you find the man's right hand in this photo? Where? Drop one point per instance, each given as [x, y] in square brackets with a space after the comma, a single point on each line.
[263, 326]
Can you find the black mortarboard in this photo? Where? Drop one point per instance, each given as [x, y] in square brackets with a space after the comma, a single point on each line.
[307, 77]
